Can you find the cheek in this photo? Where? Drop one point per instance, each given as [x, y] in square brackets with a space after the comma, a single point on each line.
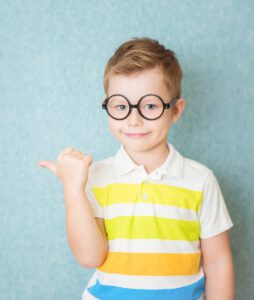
[165, 123]
[114, 126]
[111, 125]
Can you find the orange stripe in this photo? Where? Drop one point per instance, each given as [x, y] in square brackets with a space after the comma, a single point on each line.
[152, 264]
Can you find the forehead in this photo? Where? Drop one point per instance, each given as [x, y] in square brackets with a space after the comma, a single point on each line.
[137, 84]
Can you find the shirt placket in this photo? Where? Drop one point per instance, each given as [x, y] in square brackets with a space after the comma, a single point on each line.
[144, 194]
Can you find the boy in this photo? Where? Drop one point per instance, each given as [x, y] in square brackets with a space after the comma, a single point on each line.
[145, 216]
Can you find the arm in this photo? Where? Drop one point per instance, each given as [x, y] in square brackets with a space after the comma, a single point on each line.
[86, 234]
[218, 267]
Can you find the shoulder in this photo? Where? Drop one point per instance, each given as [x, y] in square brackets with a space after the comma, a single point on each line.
[102, 169]
[194, 168]
[195, 172]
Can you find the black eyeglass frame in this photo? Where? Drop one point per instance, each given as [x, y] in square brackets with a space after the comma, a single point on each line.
[131, 106]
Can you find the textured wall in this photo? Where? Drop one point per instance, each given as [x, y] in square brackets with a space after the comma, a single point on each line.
[52, 55]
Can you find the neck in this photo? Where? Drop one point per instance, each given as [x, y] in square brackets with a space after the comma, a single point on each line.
[150, 159]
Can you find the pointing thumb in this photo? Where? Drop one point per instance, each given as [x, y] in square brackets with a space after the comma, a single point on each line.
[48, 165]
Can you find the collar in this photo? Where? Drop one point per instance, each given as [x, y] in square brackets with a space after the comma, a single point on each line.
[172, 166]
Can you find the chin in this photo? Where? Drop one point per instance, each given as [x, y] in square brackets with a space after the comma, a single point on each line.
[138, 146]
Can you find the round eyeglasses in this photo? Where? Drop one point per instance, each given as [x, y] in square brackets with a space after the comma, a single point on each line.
[150, 106]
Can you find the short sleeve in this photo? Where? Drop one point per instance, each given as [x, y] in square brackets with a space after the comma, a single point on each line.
[213, 214]
[97, 209]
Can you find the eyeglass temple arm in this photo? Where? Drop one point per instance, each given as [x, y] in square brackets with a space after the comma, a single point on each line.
[103, 106]
[171, 103]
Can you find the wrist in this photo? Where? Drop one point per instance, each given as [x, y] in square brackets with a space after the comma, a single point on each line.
[71, 190]
[74, 199]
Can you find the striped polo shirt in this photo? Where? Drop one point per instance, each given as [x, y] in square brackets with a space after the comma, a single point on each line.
[154, 223]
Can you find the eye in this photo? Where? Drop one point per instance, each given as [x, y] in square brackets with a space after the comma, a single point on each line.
[150, 106]
[121, 107]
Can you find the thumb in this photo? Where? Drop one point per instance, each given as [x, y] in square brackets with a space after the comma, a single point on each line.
[48, 165]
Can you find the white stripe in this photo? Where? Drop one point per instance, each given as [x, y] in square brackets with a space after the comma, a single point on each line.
[148, 282]
[153, 246]
[195, 184]
[149, 209]
[192, 184]
[87, 296]
[92, 280]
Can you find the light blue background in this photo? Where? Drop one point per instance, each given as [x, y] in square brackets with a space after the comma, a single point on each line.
[52, 57]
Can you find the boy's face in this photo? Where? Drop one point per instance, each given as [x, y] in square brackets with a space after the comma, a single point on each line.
[136, 133]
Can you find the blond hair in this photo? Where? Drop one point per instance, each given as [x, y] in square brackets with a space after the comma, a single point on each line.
[140, 54]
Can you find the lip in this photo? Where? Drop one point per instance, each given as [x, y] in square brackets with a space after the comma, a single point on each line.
[136, 135]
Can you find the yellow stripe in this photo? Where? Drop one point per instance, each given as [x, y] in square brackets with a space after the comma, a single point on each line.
[117, 193]
[152, 264]
[150, 227]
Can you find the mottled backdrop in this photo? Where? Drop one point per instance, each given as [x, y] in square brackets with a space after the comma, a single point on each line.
[52, 56]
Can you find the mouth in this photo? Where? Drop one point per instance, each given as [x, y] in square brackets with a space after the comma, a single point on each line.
[136, 135]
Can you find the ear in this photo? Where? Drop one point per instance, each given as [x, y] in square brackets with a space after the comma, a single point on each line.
[178, 109]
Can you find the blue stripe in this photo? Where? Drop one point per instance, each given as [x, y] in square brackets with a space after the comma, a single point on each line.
[109, 292]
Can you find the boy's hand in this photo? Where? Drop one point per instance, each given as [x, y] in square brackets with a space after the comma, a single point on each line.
[71, 168]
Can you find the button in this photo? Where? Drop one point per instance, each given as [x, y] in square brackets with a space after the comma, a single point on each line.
[145, 196]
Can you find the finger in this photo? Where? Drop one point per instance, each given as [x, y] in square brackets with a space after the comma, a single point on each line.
[65, 151]
[48, 165]
[88, 159]
[77, 156]
[76, 152]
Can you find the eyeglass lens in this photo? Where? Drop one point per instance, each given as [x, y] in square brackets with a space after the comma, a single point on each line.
[150, 107]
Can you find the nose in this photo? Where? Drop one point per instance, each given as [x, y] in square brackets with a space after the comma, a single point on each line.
[134, 119]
